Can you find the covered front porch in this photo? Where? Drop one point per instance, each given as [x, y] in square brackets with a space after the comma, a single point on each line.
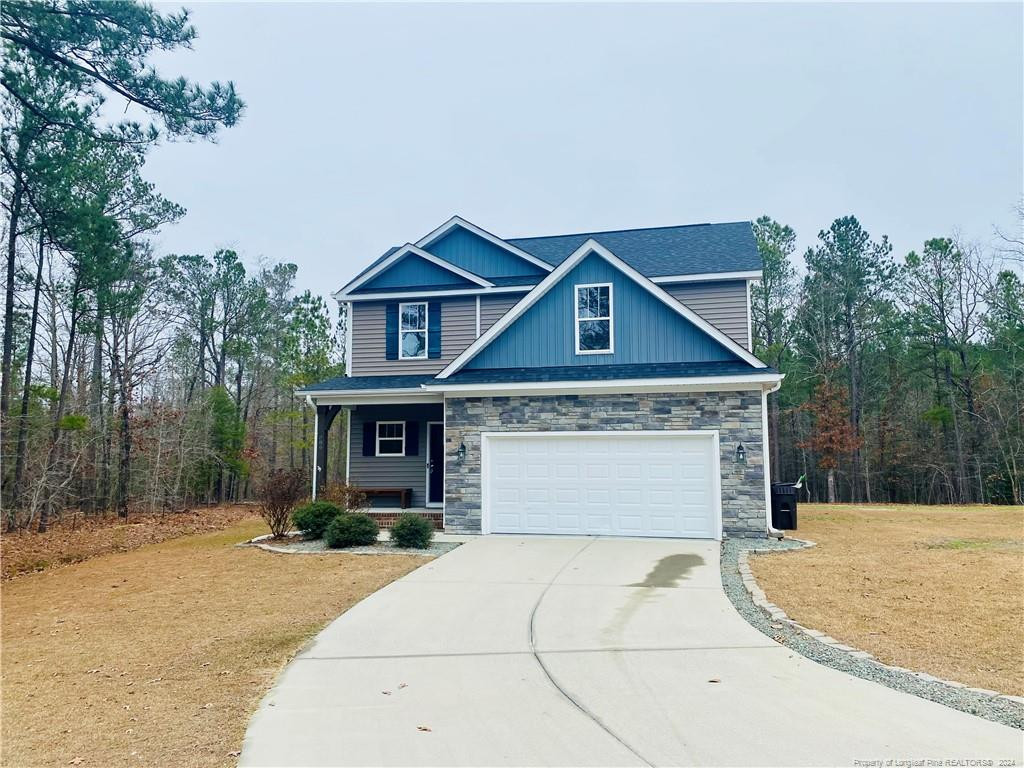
[394, 449]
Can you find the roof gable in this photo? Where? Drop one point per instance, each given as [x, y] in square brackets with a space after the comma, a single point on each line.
[412, 270]
[396, 256]
[649, 326]
[466, 245]
[645, 330]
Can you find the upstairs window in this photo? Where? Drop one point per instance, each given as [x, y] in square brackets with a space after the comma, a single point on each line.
[391, 438]
[594, 319]
[412, 331]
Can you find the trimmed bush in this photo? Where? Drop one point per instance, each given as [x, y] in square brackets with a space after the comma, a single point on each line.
[412, 531]
[351, 530]
[313, 518]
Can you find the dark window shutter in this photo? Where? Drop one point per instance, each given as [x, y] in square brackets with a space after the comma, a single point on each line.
[434, 329]
[391, 332]
[412, 438]
[369, 438]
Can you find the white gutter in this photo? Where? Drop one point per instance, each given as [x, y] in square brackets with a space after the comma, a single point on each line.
[698, 383]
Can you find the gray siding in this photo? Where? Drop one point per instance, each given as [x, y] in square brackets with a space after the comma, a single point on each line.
[723, 304]
[493, 307]
[392, 471]
[458, 330]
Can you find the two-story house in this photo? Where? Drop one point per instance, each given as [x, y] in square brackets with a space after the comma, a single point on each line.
[595, 383]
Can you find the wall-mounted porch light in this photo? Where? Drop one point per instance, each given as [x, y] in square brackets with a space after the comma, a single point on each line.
[460, 455]
[741, 454]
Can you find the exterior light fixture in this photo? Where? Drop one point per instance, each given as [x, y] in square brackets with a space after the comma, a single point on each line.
[741, 454]
[460, 455]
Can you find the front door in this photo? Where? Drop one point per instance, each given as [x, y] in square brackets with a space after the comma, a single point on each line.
[435, 463]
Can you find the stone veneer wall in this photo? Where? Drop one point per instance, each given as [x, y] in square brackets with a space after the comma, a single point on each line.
[736, 415]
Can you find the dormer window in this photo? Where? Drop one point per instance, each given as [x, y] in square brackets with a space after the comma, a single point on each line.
[594, 333]
[412, 331]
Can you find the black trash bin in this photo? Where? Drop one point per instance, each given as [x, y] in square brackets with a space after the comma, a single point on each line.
[784, 506]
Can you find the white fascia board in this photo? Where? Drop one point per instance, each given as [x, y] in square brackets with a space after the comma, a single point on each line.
[614, 386]
[707, 277]
[592, 246]
[404, 251]
[457, 221]
[372, 396]
[413, 294]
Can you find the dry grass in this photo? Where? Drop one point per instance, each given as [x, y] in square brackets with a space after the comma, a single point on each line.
[75, 538]
[934, 589]
[158, 656]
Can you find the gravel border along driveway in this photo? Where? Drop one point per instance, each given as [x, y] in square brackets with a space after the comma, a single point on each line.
[996, 708]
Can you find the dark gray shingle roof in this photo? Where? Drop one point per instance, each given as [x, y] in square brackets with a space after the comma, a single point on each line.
[691, 249]
[598, 372]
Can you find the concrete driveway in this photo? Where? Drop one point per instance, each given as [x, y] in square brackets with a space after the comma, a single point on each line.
[584, 651]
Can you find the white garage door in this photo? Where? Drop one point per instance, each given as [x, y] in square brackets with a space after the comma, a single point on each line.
[615, 484]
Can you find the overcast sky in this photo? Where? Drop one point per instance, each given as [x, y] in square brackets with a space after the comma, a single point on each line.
[368, 125]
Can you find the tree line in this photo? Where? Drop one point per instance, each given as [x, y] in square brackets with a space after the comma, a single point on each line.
[130, 380]
[904, 378]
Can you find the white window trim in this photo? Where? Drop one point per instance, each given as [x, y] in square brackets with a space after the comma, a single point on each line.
[402, 452]
[610, 318]
[425, 331]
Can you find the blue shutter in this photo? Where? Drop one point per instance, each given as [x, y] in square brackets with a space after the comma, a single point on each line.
[412, 438]
[434, 329]
[369, 438]
[391, 332]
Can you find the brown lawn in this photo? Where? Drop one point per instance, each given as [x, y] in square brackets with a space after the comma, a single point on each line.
[158, 656]
[934, 589]
[76, 538]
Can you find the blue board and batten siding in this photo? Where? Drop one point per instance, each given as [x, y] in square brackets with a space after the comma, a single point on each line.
[645, 329]
[414, 270]
[481, 257]
[392, 471]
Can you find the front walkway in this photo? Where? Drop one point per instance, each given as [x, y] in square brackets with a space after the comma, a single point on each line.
[583, 651]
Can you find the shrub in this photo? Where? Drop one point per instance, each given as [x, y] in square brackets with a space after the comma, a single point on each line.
[281, 491]
[351, 530]
[313, 518]
[412, 531]
[348, 497]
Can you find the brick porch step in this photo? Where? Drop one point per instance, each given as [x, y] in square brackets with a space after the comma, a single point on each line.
[386, 517]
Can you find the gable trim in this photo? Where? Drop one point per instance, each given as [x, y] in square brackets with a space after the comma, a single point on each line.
[457, 221]
[414, 292]
[415, 250]
[707, 277]
[592, 246]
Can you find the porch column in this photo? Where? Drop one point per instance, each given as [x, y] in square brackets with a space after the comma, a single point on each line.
[324, 418]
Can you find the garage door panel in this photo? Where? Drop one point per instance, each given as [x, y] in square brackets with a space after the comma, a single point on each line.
[580, 483]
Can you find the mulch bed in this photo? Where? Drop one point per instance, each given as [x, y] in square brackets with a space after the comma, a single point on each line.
[70, 541]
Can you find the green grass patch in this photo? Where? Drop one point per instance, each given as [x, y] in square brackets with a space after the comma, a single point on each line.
[969, 544]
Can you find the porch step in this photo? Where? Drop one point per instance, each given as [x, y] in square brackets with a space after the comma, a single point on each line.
[386, 517]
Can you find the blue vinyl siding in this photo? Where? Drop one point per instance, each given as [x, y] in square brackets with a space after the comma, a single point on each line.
[412, 270]
[645, 330]
[481, 257]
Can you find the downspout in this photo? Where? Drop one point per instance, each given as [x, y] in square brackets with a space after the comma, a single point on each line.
[771, 531]
[316, 435]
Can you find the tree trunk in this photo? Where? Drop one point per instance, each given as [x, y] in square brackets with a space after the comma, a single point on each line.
[831, 486]
[125, 466]
[58, 416]
[12, 259]
[22, 449]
